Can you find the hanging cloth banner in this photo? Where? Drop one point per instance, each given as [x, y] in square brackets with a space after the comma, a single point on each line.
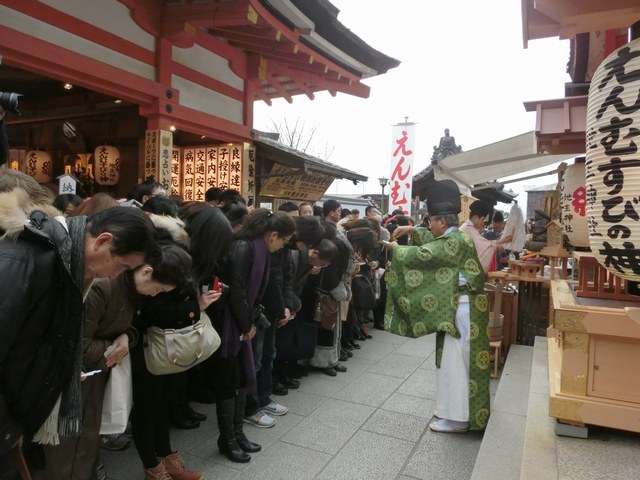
[403, 136]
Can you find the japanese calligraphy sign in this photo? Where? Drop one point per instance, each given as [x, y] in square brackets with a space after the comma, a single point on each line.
[310, 187]
[249, 173]
[158, 149]
[573, 205]
[612, 188]
[67, 184]
[176, 172]
[188, 173]
[200, 167]
[211, 173]
[401, 167]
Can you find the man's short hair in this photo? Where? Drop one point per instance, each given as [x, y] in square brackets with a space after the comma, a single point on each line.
[288, 207]
[355, 211]
[326, 250]
[132, 230]
[450, 219]
[368, 209]
[329, 206]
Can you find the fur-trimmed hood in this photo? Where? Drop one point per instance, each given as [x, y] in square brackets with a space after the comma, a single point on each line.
[15, 208]
[171, 227]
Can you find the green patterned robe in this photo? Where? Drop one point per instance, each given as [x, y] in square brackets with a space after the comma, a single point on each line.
[422, 298]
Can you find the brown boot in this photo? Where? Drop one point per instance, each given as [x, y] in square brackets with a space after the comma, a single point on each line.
[175, 467]
[158, 472]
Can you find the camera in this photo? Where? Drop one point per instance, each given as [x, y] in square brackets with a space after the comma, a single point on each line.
[10, 101]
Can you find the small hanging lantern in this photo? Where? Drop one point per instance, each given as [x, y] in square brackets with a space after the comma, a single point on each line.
[613, 162]
[574, 205]
[107, 165]
[39, 165]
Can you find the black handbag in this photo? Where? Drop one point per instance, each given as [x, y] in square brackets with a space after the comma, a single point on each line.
[296, 340]
[364, 297]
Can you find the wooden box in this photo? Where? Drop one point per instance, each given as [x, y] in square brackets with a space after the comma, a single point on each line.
[594, 357]
[525, 270]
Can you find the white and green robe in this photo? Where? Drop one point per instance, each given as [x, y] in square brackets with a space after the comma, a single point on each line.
[437, 285]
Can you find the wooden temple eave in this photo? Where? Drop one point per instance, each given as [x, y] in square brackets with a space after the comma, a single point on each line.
[567, 18]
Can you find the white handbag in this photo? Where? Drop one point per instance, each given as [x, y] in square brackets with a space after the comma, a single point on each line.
[169, 350]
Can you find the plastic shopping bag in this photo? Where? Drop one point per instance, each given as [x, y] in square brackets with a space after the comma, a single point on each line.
[118, 399]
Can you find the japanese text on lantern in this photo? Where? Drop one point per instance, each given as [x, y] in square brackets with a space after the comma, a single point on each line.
[401, 167]
[612, 158]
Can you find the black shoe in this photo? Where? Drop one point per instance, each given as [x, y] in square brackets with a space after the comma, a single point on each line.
[291, 384]
[363, 332]
[329, 371]
[340, 368]
[246, 445]
[378, 326]
[232, 451]
[195, 416]
[184, 423]
[355, 345]
[346, 345]
[343, 357]
[279, 389]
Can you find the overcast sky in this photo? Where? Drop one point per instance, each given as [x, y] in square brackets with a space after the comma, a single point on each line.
[463, 67]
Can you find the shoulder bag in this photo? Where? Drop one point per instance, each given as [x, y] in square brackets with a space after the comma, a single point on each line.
[168, 351]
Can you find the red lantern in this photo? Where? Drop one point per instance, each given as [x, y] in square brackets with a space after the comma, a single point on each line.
[39, 165]
[613, 162]
[107, 165]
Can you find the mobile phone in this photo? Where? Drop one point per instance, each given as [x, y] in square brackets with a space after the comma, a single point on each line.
[205, 288]
[218, 286]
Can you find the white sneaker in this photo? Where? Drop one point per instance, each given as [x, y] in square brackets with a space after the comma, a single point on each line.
[275, 409]
[260, 419]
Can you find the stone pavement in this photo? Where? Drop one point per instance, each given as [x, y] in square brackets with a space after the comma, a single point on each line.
[367, 423]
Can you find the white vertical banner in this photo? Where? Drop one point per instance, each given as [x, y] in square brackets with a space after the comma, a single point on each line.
[403, 137]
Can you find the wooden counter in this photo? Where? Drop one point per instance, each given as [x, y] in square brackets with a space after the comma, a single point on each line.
[594, 361]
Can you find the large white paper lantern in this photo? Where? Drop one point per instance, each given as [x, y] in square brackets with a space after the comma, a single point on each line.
[107, 165]
[39, 165]
[613, 162]
[574, 205]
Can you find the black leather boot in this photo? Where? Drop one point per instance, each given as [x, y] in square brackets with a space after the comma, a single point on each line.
[241, 438]
[227, 443]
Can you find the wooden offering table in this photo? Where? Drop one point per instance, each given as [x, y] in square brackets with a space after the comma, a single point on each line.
[594, 360]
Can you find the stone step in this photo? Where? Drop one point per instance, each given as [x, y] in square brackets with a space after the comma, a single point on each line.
[539, 456]
[501, 451]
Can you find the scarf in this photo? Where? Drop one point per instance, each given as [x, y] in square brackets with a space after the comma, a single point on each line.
[66, 417]
[257, 281]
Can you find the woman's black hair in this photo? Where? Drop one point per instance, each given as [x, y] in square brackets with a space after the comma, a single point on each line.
[361, 235]
[161, 205]
[173, 267]
[261, 221]
[211, 237]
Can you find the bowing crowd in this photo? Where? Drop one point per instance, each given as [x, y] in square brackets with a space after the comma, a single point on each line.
[287, 291]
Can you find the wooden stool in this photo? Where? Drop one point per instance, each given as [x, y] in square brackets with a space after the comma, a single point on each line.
[497, 348]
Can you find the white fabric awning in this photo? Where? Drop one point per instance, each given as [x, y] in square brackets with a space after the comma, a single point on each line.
[498, 160]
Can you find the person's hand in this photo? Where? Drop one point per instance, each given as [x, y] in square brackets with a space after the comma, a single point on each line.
[315, 271]
[250, 334]
[402, 231]
[120, 350]
[207, 298]
[287, 316]
[356, 270]
[374, 265]
[391, 245]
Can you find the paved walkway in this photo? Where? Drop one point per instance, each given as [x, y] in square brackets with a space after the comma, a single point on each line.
[367, 423]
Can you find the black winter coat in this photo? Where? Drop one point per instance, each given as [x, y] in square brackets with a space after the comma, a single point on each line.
[40, 320]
